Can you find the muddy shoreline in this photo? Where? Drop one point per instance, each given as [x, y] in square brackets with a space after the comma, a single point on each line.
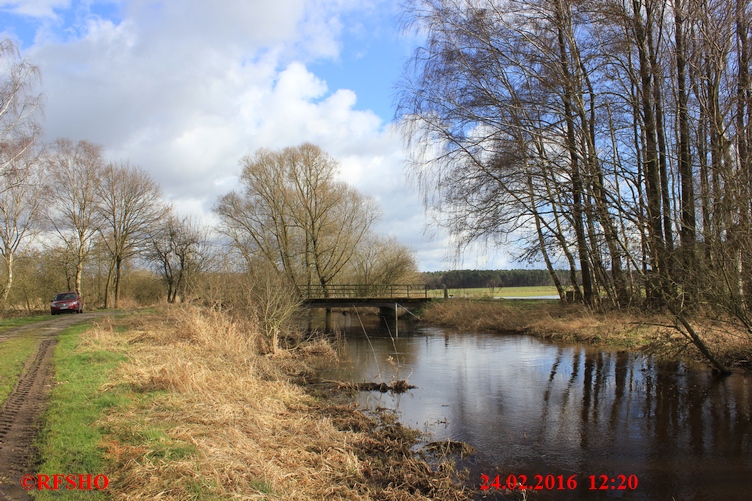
[398, 464]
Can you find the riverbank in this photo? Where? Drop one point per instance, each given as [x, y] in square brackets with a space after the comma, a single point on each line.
[631, 330]
[195, 410]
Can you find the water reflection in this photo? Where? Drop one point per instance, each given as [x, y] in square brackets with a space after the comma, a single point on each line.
[537, 408]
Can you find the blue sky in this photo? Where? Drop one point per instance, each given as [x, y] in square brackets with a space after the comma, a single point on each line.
[186, 88]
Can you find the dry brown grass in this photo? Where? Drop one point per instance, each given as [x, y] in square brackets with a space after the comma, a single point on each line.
[470, 315]
[634, 330]
[213, 419]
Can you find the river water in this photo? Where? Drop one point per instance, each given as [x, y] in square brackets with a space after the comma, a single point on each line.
[621, 425]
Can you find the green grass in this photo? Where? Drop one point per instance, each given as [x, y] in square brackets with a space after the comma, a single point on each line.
[73, 438]
[502, 292]
[13, 354]
[70, 442]
[12, 323]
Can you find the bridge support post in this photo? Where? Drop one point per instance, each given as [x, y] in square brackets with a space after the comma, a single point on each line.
[387, 311]
[396, 320]
[328, 321]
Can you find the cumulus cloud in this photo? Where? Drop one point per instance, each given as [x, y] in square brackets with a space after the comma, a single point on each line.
[186, 88]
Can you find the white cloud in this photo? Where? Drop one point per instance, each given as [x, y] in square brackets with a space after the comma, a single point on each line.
[34, 8]
[186, 88]
[173, 87]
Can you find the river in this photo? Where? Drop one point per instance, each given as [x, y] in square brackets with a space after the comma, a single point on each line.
[619, 425]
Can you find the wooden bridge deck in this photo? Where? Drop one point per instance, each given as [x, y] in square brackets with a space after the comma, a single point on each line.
[374, 296]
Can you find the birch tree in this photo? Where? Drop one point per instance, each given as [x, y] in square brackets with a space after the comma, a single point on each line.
[20, 104]
[129, 203]
[20, 184]
[74, 171]
[21, 203]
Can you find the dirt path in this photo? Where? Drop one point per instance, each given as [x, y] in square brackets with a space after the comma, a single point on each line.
[21, 413]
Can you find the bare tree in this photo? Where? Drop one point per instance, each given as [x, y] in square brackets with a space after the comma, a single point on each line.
[129, 202]
[19, 127]
[178, 250]
[582, 129]
[20, 206]
[74, 171]
[20, 106]
[497, 99]
[295, 214]
[259, 220]
[382, 261]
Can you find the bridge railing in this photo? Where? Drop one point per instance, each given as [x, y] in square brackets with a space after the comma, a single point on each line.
[383, 291]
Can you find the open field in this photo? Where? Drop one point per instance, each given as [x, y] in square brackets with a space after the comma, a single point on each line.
[495, 292]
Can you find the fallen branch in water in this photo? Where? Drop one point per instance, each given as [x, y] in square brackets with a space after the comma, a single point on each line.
[399, 386]
[449, 447]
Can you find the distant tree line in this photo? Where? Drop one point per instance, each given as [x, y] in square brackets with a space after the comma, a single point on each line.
[470, 279]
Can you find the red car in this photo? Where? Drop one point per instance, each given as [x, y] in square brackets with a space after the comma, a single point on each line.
[67, 301]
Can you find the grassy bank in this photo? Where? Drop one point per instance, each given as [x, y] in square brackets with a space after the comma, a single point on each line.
[13, 353]
[185, 407]
[71, 441]
[12, 323]
[626, 330]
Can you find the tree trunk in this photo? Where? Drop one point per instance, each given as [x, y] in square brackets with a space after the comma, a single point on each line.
[118, 263]
[743, 145]
[79, 269]
[658, 279]
[696, 339]
[9, 256]
[107, 286]
[688, 234]
[561, 238]
[542, 241]
[595, 175]
[577, 185]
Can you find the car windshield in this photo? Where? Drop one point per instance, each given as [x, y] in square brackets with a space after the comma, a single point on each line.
[66, 296]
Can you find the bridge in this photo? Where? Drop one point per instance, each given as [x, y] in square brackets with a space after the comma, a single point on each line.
[367, 296]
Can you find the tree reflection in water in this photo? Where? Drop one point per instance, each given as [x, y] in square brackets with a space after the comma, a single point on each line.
[531, 407]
